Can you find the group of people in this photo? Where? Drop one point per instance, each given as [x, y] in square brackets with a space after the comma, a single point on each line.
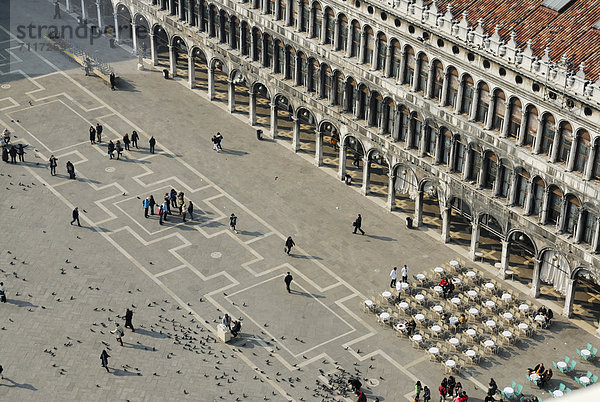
[216, 140]
[447, 288]
[234, 326]
[449, 387]
[546, 313]
[173, 200]
[119, 145]
[544, 374]
[11, 151]
[119, 333]
[394, 276]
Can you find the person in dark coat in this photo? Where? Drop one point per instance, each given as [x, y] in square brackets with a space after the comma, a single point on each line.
[53, 163]
[289, 243]
[288, 280]
[5, 154]
[113, 80]
[92, 135]
[99, 129]
[71, 170]
[128, 318]
[134, 138]
[111, 148]
[190, 209]
[21, 153]
[104, 359]
[119, 149]
[151, 204]
[76, 216]
[126, 141]
[355, 384]
[152, 143]
[357, 225]
[13, 154]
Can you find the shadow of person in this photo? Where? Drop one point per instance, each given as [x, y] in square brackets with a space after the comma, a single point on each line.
[14, 384]
[21, 303]
[152, 334]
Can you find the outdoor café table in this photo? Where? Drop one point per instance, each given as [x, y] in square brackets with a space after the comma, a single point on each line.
[585, 353]
[384, 316]
[507, 316]
[507, 334]
[509, 392]
[471, 353]
[450, 363]
[473, 311]
[403, 305]
[534, 377]
[419, 317]
[471, 274]
[523, 327]
[456, 281]
[454, 341]
[557, 394]
[455, 300]
[454, 263]
[404, 285]
[489, 343]
[524, 307]
[540, 318]
[420, 277]
[453, 320]
[472, 293]
[584, 380]
[561, 365]
[506, 297]
[369, 303]
[417, 338]
[438, 289]
[470, 332]
[438, 270]
[434, 351]
[490, 303]
[401, 327]
[438, 308]
[490, 323]
[386, 294]
[436, 328]
[489, 286]
[420, 297]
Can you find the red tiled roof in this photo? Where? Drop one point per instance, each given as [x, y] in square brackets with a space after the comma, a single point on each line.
[568, 32]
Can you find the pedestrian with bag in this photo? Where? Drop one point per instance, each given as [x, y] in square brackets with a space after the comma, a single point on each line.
[134, 139]
[71, 170]
[126, 141]
[99, 129]
[357, 225]
[146, 205]
[75, 215]
[128, 318]
[190, 209]
[92, 135]
[289, 243]
[233, 222]
[53, 163]
[288, 280]
[111, 148]
[118, 148]
[118, 331]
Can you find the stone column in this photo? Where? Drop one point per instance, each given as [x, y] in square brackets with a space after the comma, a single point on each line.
[418, 220]
[459, 96]
[544, 214]
[172, 64]
[528, 198]
[83, 10]
[286, 64]
[191, 12]
[231, 96]
[452, 156]
[512, 196]
[191, 72]
[589, 166]
[537, 147]
[265, 7]
[273, 119]
[363, 47]
[134, 37]
[181, 11]
[535, 280]
[473, 112]
[391, 194]
[504, 258]
[318, 148]
[374, 57]
[300, 6]
[489, 121]
[445, 212]
[117, 36]
[153, 54]
[444, 96]
[402, 68]
[430, 75]
[467, 168]
[172, 7]
[523, 130]
[578, 234]
[555, 146]
[415, 85]
[596, 238]
[277, 10]
[474, 238]
[572, 154]
[506, 123]
[568, 309]
[288, 13]
[366, 173]
[252, 101]
[232, 44]
[324, 19]
[498, 181]
[296, 134]
[253, 40]
[349, 39]
[211, 24]
[342, 159]
[211, 82]
[68, 6]
[336, 34]
[99, 13]
[410, 133]
[387, 72]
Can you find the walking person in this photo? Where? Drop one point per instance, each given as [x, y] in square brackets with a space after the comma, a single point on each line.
[418, 389]
[13, 154]
[53, 163]
[2, 293]
[126, 141]
[357, 225]
[215, 142]
[405, 274]
[288, 280]
[56, 10]
[134, 139]
[104, 359]
[21, 153]
[190, 209]
[76, 216]
[71, 170]
[151, 204]
[219, 139]
[146, 204]
[113, 80]
[160, 214]
[128, 318]
[451, 384]
[443, 389]
[393, 275]
[152, 143]
[180, 202]
[99, 129]
[426, 394]
[92, 135]
[183, 214]
[233, 222]
[118, 148]
[289, 243]
[111, 148]
[118, 331]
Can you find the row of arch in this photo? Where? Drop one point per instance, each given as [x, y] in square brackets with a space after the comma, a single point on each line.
[554, 207]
